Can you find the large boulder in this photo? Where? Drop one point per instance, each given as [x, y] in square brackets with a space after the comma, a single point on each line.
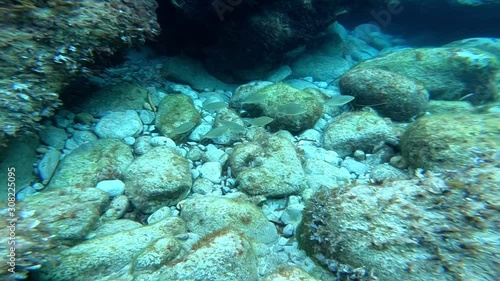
[292, 109]
[174, 111]
[446, 73]
[202, 216]
[119, 125]
[111, 257]
[449, 141]
[431, 228]
[39, 59]
[161, 177]
[359, 130]
[91, 163]
[391, 95]
[226, 255]
[67, 213]
[270, 167]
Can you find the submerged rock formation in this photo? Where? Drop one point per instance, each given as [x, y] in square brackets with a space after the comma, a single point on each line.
[46, 43]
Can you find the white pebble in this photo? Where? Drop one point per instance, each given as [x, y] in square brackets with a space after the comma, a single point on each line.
[112, 187]
[129, 140]
[288, 231]
[211, 171]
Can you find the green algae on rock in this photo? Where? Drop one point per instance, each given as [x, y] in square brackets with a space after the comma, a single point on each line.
[225, 255]
[451, 141]
[446, 73]
[437, 227]
[91, 163]
[358, 130]
[203, 217]
[161, 177]
[270, 167]
[391, 95]
[173, 111]
[45, 44]
[292, 109]
[114, 256]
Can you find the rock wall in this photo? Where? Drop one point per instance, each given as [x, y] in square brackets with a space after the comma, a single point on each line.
[46, 43]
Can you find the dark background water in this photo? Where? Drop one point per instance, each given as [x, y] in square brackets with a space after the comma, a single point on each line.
[425, 26]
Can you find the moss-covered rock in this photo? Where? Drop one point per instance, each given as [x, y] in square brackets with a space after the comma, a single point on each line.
[161, 177]
[173, 111]
[203, 217]
[491, 45]
[431, 228]
[360, 130]
[446, 73]
[111, 257]
[451, 141]
[92, 162]
[292, 109]
[68, 213]
[289, 274]
[226, 255]
[41, 52]
[449, 107]
[391, 95]
[269, 167]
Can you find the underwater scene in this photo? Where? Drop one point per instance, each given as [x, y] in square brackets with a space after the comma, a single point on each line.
[250, 140]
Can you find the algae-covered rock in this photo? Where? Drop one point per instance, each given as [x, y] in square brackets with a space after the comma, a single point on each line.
[67, 213]
[119, 97]
[41, 52]
[391, 95]
[269, 167]
[111, 257]
[225, 255]
[451, 141]
[228, 118]
[446, 73]
[244, 91]
[119, 125]
[292, 109]
[161, 177]
[491, 45]
[92, 162]
[449, 107]
[360, 130]
[429, 228]
[289, 274]
[203, 217]
[175, 111]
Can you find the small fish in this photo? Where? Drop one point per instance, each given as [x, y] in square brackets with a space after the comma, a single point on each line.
[254, 98]
[339, 100]
[233, 126]
[261, 121]
[215, 133]
[183, 128]
[291, 109]
[466, 96]
[215, 106]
